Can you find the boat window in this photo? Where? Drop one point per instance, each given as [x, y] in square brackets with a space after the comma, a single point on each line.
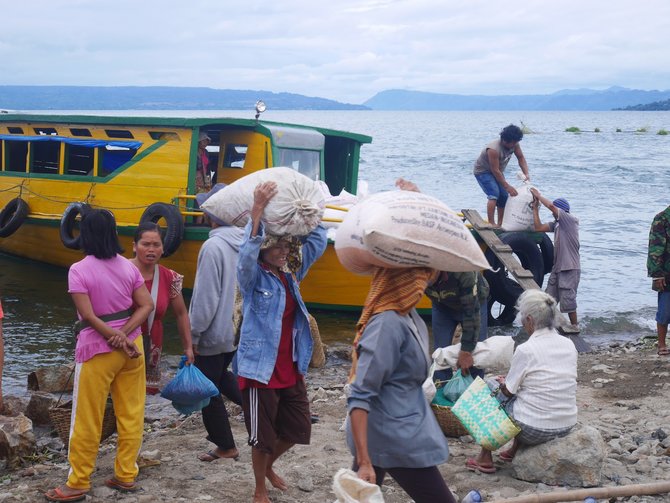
[119, 133]
[307, 162]
[16, 155]
[45, 130]
[80, 132]
[15, 130]
[234, 155]
[164, 135]
[113, 157]
[79, 160]
[45, 156]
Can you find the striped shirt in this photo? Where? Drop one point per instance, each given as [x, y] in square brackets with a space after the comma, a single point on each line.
[543, 376]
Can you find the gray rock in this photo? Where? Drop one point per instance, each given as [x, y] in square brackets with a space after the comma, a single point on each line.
[17, 439]
[306, 484]
[575, 460]
[38, 407]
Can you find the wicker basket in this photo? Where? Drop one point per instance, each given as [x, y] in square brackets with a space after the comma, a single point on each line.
[61, 416]
[450, 424]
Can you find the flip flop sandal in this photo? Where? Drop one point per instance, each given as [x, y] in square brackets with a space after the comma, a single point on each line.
[472, 465]
[663, 352]
[506, 456]
[59, 495]
[209, 456]
[124, 487]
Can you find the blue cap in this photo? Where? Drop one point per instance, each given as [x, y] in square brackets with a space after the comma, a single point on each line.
[562, 203]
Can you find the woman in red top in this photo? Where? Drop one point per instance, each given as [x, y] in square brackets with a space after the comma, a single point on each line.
[148, 249]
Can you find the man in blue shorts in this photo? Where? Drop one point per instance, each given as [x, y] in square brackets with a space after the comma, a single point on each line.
[658, 268]
[490, 166]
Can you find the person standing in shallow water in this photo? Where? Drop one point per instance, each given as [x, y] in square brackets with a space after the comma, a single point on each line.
[275, 341]
[658, 268]
[148, 250]
[490, 168]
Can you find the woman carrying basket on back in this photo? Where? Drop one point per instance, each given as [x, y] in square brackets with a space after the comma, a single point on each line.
[104, 286]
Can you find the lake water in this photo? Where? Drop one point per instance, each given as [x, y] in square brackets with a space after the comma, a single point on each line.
[615, 182]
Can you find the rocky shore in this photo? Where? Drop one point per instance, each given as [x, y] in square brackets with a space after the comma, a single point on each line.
[623, 393]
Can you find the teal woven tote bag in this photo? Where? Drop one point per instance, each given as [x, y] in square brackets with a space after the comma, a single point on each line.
[484, 417]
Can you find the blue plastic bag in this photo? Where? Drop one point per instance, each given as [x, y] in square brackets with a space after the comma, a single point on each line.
[455, 386]
[189, 408]
[189, 386]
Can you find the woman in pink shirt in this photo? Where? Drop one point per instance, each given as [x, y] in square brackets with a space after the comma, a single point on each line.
[104, 286]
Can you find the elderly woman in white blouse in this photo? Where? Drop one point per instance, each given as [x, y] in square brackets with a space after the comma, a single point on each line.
[540, 387]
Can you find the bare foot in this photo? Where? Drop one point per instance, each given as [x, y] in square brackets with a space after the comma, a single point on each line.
[276, 480]
[261, 496]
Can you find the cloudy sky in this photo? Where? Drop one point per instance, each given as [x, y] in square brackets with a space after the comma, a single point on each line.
[346, 50]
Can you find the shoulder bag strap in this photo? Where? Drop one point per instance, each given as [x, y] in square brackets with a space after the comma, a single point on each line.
[154, 297]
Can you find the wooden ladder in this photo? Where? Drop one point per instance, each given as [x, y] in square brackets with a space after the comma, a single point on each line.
[504, 252]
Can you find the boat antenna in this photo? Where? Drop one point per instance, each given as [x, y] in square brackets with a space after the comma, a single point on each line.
[260, 108]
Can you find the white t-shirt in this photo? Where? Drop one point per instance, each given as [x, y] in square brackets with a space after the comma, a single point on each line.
[543, 376]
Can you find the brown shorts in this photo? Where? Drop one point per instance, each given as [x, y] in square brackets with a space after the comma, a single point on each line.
[562, 286]
[272, 414]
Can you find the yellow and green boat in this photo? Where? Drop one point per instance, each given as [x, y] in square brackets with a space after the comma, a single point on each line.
[142, 168]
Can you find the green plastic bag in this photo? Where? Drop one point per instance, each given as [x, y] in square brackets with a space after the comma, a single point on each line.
[455, 386]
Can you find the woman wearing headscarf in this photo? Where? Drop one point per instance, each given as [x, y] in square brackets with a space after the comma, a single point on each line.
[540, 389]
[391, 427]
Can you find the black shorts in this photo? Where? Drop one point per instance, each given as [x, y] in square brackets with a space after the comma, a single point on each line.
[272, 414]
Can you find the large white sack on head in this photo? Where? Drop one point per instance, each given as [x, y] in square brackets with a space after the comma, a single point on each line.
[296, 209]
[518, 214]
[348, 488]
[406, 229]
[494, 352]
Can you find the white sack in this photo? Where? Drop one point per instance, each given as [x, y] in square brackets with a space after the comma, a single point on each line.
[406, 229]
[350, 489]
[296, 209]
[494, 352]
[518, 214]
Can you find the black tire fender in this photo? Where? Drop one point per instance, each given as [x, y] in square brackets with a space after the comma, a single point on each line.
[173, 232]
[504, 317]
[68, 222]
[12, 216]
[547, 249]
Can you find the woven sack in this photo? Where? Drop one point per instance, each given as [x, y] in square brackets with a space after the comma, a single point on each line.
[318, 354]
[450, 425]
[484, 416]
[61, 418]
[401, 229]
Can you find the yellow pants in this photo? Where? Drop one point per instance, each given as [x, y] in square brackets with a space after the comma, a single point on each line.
[94, 380]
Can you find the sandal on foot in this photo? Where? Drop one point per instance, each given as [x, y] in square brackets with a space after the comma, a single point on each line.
[211, 455]
[472, 465]
[663, 352]
[124, 487]
[57, 494]
[506, 456]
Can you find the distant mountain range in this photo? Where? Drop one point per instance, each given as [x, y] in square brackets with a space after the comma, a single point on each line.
[204, 98]
[568, 99]
[156, 98]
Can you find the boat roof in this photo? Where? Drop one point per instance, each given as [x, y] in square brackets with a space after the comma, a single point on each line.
[175, 122]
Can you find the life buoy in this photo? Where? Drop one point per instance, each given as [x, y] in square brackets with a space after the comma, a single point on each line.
[68, 222]
[504, 289]
[12, 216]
[174, 228]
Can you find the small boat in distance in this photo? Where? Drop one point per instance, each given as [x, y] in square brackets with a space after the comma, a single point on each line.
[144, 168]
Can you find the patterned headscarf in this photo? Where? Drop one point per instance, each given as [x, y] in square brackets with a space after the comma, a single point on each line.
[397, 290]
[294, 259]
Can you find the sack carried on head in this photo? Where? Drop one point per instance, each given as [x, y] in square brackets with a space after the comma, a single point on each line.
[296, 209]
[406, 229]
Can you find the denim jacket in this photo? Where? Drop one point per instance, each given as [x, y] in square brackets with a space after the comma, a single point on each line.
[264, 301]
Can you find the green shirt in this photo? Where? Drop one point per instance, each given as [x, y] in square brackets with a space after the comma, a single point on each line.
[658, 258]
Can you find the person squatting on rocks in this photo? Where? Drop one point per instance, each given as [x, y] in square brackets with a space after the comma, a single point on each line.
[211, 313]
[658, 268]
[540, 390]
[566, 272]
[104, 286]
[490, 168]
[148, 250]
[391, 428]
[275, 341]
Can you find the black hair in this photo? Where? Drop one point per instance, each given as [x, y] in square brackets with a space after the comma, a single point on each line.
[511, 134]
[147, 227]
[97, 231]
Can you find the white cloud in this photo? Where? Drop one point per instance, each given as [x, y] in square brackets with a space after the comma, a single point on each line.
[346, 50]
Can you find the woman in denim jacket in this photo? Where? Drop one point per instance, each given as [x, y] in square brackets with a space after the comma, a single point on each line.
[275, 341]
